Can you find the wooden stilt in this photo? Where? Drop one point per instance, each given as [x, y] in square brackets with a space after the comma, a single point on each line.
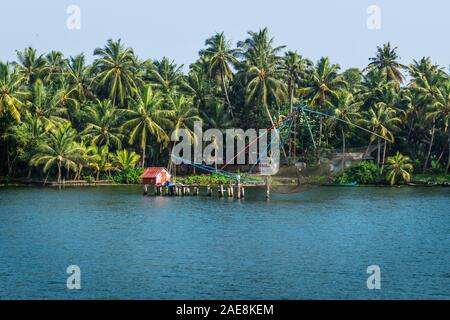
[243, 192]
[267, 187]
[209, 191]
[221, 191]
[145, 189]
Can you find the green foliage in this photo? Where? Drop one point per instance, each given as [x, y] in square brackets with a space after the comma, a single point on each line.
[398, 169]
[120, 105]
[204, 180]
[365, 172]
[128, 176]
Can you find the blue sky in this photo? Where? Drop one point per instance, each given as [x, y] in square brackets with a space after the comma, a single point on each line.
[178, 28]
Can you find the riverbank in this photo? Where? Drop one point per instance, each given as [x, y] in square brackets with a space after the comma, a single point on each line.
[211, 180]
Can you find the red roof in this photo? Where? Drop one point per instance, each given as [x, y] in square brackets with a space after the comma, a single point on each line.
[152, 172]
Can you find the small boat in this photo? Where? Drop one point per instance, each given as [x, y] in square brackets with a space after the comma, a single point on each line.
[350, 184]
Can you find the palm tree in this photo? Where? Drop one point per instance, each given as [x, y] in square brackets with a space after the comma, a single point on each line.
[165, 75]
[321, 88]
[99, 159]
[103, 124]
[348, 111]
[65, 100]
[77, 75]
[386, 60]
[426, 81]
[11, 93]
[55, 64]
[382, 119]
[217, 117]
[147, 117]
[293, 68]
[60, 150]
[441, 111]
[323, 84]
[184, 116]
[199, 87]
[221, 57]
[399, 166]
[31, 66]
[116, 71]
[41, 107]
[125, 160]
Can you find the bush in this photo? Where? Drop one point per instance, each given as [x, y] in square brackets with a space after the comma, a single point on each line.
[128, 176]
[204, 180]
[365, 172]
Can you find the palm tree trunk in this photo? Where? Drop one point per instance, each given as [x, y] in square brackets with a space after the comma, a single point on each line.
[368, 148]
[143, 156]
[384, 155]
[320, 139]
[226, 95]
[379, 152]
[343, 148]
[448, 162]
[59, 172]
[276, 132]
[291, 107]
[430, 146]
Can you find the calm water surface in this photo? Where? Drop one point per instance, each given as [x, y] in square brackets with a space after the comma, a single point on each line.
[312, 245]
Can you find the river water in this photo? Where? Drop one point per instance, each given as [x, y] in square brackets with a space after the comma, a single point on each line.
[311, 245]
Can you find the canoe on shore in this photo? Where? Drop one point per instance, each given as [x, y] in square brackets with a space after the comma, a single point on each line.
[351, 184]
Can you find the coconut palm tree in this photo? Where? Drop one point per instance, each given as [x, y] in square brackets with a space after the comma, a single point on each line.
[40, 105]
[221, 57]
[60, 149]
[441, 106]
[383, 121]
[199, 87]
[399, 166]
[31, 66]
[99, 159]
[262, 69]
[103, 127]
[347, 110]
[12, 95]
[386, 60]
[323, 84]
[321, 88]
[293, 68]
[217, 117]
[426, 81]
[147, 117]
[78, 76]
[55, 64]
[165, 75]
[125, 160]
[65, 101]
[184, 114]
[116, 71]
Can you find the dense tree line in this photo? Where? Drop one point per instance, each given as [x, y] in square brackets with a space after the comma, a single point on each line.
[61, 117]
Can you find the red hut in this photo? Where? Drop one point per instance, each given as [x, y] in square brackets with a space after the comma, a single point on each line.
[155, 176]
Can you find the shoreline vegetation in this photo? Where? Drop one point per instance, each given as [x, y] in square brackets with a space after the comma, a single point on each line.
[419, 180]
[63, 120]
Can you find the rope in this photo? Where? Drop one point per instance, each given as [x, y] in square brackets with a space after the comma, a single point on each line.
[347, 122]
